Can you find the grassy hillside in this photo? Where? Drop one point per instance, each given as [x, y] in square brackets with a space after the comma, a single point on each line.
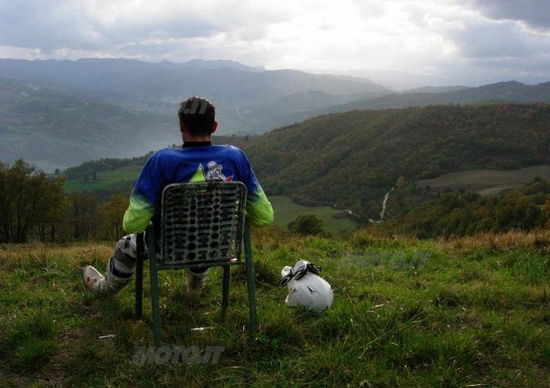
[352, 159]
[469, 312]
[286, 211]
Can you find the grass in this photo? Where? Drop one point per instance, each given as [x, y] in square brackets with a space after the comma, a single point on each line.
[110, 180]
[286, 211]
[486, 182]
[405, 313]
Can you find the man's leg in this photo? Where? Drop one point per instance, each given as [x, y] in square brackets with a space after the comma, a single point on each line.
[119, 268]
[195, 279]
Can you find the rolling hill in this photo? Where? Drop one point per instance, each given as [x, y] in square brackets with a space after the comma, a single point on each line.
[242, 94]
[54, 129]
[498, 93]
[352, 159]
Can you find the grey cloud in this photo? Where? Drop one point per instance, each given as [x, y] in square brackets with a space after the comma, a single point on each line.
[495, 40]
[535, 13]
[70, 24]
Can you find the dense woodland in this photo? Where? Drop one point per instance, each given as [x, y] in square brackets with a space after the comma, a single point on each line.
[352, 159]
[34, 206]
[467, 213]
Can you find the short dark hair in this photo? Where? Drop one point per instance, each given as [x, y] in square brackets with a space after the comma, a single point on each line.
[198, 115]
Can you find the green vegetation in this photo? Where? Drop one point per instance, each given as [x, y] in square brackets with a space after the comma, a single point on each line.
[106, 182]
[405, 313]
[286, 211]
[352, 159]
[30, 203]
[486, 182]
[34, 206]
[306, 224]
[468, 213]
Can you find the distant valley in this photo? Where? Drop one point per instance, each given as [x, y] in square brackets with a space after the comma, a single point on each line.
[61, 113]
[351, 160]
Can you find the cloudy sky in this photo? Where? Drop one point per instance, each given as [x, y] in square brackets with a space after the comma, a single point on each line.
[468, 42]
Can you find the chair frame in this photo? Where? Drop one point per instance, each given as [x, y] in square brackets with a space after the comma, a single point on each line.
[148, 240]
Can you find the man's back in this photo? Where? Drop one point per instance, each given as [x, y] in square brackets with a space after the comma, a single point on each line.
[194, 162]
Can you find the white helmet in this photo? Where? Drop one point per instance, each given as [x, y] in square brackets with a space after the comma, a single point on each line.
[305, 287]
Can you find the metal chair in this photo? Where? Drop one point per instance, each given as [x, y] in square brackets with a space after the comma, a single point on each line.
[201, 225]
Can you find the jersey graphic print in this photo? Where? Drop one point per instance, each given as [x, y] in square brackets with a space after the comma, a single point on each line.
[215, 173]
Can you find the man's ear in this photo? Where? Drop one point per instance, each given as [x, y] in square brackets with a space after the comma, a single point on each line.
[182, 126]
[214, 127]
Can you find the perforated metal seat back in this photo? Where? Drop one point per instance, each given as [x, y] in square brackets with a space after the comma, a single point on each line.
[202, 223]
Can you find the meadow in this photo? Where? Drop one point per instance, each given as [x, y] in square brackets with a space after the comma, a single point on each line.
[110, 180]
[486, 182]
[463, 312]
[286, 211]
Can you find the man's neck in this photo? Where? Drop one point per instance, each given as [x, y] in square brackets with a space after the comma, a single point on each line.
[196, 143]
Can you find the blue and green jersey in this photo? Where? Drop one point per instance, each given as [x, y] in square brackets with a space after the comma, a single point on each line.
[198, 163]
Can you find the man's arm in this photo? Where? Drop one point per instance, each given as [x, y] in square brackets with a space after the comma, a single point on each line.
[258, 208]
[145, 197]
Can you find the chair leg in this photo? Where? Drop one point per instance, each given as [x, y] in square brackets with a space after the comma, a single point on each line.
[155, 303]
[155, 296]
[139, 288]
[225, 291]
[139, 276]
[250, 279]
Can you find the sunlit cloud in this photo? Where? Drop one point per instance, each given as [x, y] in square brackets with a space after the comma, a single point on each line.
[461, 41]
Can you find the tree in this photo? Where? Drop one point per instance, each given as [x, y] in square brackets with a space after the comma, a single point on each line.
[29, 200]
[306, 224]
[83, 215]
[111, 215]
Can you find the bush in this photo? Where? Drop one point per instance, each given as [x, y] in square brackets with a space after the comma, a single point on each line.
[306, 224]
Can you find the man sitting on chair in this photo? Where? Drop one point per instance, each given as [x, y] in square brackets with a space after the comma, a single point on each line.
[196, 161]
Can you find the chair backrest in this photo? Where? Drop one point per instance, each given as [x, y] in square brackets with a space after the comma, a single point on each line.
[202, 223]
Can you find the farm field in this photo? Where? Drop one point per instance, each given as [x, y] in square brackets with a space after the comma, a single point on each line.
[486, 182]
[286, 211]
[111, 180]
[467, 312]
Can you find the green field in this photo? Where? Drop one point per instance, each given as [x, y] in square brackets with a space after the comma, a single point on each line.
[111, 180]
[286, 211]
[466, 313]
[486, 182]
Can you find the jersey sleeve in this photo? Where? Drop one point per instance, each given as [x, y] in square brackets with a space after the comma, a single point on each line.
[258, 208]
[145, 198]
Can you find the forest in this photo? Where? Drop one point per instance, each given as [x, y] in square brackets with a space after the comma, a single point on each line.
[34, 207]
[466, 213]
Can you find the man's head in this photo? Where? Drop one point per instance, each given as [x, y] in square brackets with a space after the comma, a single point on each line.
[197, 117]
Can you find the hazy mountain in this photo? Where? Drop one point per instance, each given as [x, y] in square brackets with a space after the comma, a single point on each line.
[52, 129]
[512, 91]
[502, 92]
[242, 94]
[434, 89]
